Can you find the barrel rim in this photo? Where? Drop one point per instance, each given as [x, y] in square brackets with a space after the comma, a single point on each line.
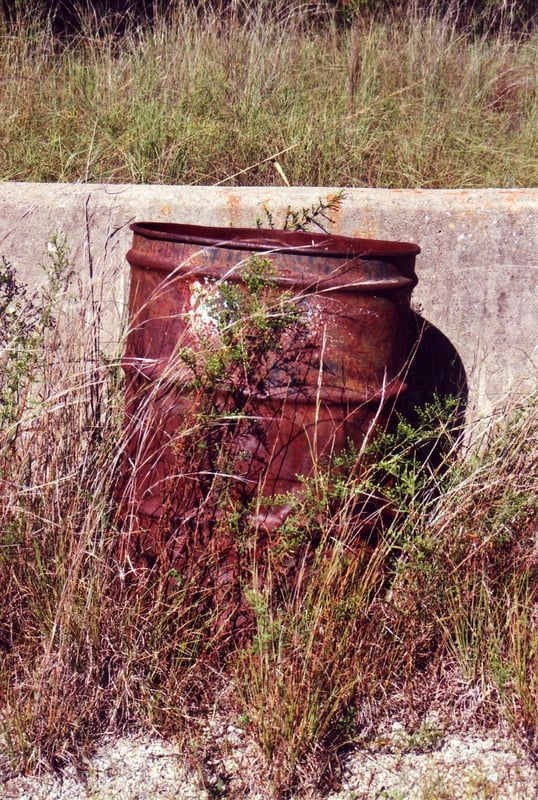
[269, 240]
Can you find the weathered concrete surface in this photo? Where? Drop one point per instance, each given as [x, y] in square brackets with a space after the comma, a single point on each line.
[478, 271]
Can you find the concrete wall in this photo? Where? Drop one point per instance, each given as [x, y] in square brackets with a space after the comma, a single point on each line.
[478, 270]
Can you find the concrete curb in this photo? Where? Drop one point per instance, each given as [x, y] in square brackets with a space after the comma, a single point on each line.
[478, 270]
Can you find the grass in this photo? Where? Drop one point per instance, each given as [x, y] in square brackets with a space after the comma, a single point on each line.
[440, 610]
[440, 614]
[271, 96]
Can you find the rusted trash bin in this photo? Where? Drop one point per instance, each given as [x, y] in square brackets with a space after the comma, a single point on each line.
[328, 361]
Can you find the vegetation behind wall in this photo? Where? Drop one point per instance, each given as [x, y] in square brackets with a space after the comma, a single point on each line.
[356, 94]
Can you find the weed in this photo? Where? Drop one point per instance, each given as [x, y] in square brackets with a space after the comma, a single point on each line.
[303, 220]
[22, 324]
[428, 736]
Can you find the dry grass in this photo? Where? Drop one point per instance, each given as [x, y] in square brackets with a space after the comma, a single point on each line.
[270, 97]
[436, 604]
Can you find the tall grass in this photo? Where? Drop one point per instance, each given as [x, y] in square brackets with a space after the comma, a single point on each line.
[78, 654]
[440, 618]
[425, 600]
[270, 96]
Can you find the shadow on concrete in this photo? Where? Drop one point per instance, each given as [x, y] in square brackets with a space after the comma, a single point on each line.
[435, 369]
[436, 381]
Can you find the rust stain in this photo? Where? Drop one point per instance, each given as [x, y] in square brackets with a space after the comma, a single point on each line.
[336, 213]
[233, 204]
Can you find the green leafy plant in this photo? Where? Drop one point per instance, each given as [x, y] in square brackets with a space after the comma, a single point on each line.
[21, 331]
[318, 215]
[248, 319]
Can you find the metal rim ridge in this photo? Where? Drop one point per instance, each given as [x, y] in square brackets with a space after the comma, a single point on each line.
[269, 240]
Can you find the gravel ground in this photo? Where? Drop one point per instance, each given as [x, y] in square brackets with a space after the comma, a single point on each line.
[470, 767]
[477, 767]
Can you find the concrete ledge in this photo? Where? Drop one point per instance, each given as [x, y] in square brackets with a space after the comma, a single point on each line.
[478, 271]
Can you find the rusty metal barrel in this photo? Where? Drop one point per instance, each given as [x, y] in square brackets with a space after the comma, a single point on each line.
[324, 382]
